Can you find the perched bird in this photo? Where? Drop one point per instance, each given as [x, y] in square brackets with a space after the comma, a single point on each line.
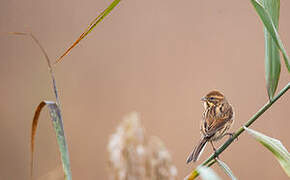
[218, 116]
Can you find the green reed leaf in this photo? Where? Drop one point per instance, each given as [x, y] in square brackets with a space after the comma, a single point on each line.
[57, 123]
[268, 11]
[275, 146]
[92, 25]
[55, 115]
[269, 23]
[226, 169]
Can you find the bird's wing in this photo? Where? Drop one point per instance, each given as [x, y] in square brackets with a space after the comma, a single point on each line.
[218, 123]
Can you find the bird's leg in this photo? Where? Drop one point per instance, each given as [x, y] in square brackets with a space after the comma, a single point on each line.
[214, 149]
[231, 135]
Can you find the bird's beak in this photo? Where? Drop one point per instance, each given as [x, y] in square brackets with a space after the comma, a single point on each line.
[203, 99]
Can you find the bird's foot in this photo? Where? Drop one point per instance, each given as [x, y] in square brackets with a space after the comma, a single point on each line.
[232, 135]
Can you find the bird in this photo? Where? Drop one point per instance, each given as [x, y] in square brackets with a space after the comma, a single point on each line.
[217, 118]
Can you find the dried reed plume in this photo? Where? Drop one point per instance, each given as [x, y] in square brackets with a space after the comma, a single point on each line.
[134, 156]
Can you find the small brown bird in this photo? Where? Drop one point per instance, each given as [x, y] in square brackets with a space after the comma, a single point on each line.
[217, 118]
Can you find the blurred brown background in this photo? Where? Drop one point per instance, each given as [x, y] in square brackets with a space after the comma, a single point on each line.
[154, 57]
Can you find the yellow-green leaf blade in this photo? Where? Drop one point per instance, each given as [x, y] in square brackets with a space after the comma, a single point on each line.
[192, 175]
[92, 25]
[56, 119]
[275, 146]
[270, 26]
[226, 169]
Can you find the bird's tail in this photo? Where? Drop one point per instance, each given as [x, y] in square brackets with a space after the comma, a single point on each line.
[197, 150]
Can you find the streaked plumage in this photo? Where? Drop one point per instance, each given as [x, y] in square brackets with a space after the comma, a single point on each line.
[217, 118]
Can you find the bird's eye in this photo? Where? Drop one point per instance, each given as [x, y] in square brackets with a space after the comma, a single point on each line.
[211, 98]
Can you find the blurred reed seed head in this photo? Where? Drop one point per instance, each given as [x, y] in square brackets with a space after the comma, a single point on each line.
[127, 150]
[160, 163]
[134, 156]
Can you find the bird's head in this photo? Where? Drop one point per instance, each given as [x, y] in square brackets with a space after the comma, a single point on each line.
[213, 98]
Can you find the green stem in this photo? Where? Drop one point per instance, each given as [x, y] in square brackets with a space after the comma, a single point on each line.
[247, 124]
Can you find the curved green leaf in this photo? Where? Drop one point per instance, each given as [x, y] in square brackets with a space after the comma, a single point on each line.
[226, 169]
[56, 119]
[269, 14]
[275, 146]
[207, 173]
[55, 115]
[268, 10]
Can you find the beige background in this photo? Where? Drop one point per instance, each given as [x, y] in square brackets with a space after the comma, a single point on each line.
[155, 57]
